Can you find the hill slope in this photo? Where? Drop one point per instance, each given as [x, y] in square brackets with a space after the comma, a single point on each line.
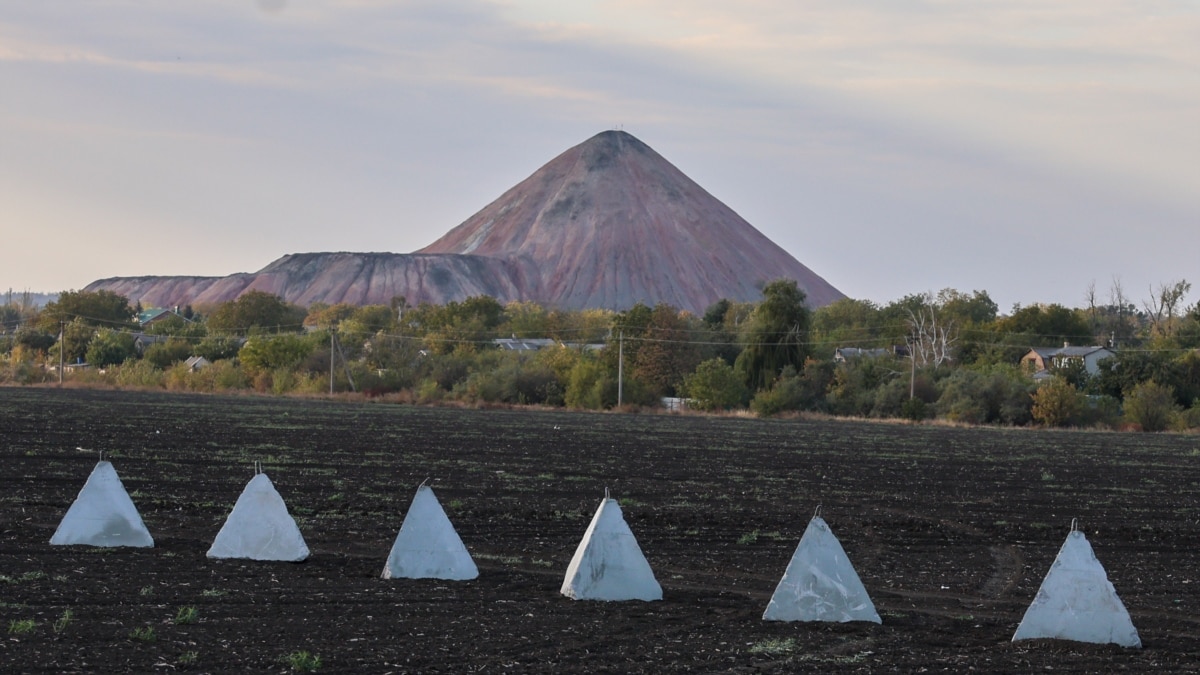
[608, 223]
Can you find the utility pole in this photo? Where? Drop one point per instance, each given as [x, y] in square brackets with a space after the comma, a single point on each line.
[912, 379]
[620, 368]
[62, 337]
[331, 352]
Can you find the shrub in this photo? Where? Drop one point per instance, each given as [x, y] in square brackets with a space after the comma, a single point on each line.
[1057, 403]
[999, 394]
[186, 616]
[1190, 418]
[854, 385]
[914, 409]
[138, 374]
[584, 385]
[1100, 411]
[1151, 406]
[302, 662]
[61, 623]
[715, 385]
[164, 354]
[226, 375]
[804, 390]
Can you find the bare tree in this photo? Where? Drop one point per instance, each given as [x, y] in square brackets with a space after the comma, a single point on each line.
[929, 339]
[1163, 305]
[1089, 294]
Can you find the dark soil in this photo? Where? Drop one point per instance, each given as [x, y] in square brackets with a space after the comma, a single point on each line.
[950, 529]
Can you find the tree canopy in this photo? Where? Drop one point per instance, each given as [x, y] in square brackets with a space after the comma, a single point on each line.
[775, 335]
[256, 312]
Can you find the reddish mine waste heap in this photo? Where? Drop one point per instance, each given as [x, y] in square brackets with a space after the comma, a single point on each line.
[606, 224]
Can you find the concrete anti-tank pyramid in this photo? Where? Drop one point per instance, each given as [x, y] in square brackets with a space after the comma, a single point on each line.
[820, 584]
[1077, 602]
[102, 514]
[609, 565]
[427, 547]
[260, 527]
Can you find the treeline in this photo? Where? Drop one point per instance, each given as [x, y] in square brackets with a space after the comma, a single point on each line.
[949, 355]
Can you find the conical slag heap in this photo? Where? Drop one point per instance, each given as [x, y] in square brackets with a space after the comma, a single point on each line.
[1077, 602]
[260, 527]
[427, 546]
[102, 514]
[820, 584]
[608, 564]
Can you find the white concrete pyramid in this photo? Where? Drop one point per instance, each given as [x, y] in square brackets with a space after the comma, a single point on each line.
[1077, 602]
[820, 584]
[260, 527]
[609, 565]
[427, 547]
[102, 514]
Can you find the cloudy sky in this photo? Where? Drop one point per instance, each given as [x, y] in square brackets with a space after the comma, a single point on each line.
[1023, 147]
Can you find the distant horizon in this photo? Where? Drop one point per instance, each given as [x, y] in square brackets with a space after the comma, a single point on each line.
[1002, 310]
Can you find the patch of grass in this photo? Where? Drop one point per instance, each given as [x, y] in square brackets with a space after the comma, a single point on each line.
[773, 646]
[186, 616]
[145, 634]
[63, 621]
[212, 593]
[188, 658]
[506, 559]
[28, 576]
[1047, 476]
[146, 590]
[21, 626]
[748, 538]
[302, 661]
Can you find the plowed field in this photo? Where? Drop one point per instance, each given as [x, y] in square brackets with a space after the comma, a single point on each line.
[950, 529]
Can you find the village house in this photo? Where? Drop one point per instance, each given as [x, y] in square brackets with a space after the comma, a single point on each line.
[1043, 360]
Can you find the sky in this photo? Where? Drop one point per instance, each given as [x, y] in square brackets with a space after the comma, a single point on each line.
[1027, 148]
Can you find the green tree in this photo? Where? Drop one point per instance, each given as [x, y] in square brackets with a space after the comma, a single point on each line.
[93, 308]
[715, 386]
[456, 326]
[217, 347]
[667, 353]
[163, 354]
[74, 340]
[1048, 324]
[267, 353]
[974, 309]
[847, 323]
[323, 315]
[256, 312]
[775, 335]
[34, 339]
[109, 348]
